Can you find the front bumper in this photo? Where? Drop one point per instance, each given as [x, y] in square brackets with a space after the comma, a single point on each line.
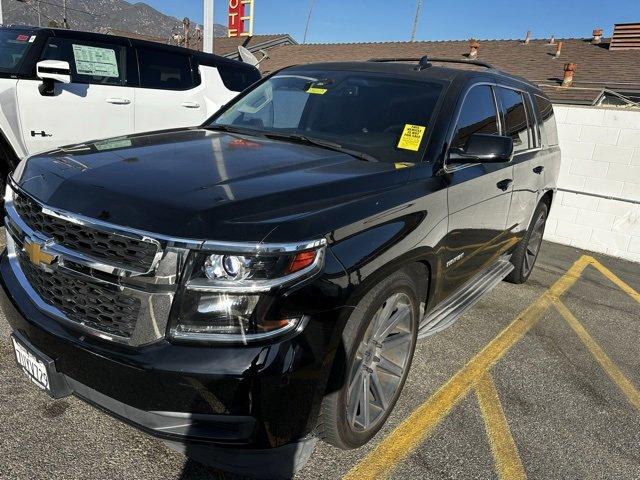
[240, 397]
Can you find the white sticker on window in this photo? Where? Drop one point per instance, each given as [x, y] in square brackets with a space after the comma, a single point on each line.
[95, 61]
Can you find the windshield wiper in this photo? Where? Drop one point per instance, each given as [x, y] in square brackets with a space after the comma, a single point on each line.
[320, 143]
[231, 129]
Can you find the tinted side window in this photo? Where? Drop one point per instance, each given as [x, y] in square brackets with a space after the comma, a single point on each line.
[164, 70]
[90, 62]
[478, 115]
[548, 119]
[515, 118]
[238, 77]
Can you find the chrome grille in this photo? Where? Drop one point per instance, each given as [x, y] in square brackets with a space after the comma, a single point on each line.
[98, 307]
[102, 246]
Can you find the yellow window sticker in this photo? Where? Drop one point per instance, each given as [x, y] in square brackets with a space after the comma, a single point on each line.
[400, 165]
[316, 90]
[411, 137]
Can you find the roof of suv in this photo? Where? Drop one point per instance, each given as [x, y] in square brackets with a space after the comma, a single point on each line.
[458, 70]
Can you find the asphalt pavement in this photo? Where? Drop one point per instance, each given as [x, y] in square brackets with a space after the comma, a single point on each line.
[537, 381]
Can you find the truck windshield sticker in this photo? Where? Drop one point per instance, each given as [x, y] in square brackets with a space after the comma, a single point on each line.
[411, 137]
[316, 90]
[112, 143]
[95, 61]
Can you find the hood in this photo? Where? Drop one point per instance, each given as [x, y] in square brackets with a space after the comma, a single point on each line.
[201, 184]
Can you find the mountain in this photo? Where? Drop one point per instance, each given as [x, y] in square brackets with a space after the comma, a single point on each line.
[98, 16]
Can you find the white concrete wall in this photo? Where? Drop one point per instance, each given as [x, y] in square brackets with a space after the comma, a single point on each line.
[600, 154]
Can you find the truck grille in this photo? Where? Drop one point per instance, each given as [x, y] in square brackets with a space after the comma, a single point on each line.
[86, 303]
[111, 248]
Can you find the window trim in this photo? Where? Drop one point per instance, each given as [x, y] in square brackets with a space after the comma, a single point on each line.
[493, 85]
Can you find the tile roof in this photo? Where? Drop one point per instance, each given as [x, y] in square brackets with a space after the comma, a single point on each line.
[598, 67]
[228, 46]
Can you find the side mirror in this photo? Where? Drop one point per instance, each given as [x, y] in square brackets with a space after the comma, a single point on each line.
[482, 148]
[54, 70]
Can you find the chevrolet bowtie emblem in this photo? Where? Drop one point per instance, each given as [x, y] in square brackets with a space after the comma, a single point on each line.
[36, 255]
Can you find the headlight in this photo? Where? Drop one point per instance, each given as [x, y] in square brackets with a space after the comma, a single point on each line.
[227, 294]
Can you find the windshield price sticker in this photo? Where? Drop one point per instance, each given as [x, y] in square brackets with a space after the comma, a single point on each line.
[99, 62]
[316, 90]
[411, 137]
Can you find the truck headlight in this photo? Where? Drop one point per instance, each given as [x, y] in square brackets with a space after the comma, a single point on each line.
[228, 294]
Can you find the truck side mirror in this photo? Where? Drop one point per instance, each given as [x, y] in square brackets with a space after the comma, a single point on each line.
[56, 70]
[482, 148]
[51, 71]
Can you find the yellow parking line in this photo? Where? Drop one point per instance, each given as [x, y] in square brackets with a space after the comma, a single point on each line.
[615, 279]
[411, 432]
[505, 453]
[627, 388]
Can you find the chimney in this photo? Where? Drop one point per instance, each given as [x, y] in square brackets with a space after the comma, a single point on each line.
[552, 40]
[569, 70]
[474, 46]
[597, 36]
[558, 50]
[527, 38]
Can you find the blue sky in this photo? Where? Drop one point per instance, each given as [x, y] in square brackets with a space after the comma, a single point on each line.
[381, 20]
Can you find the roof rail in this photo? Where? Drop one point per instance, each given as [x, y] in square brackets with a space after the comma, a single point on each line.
[423, 61]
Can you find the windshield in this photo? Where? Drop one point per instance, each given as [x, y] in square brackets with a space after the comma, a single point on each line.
[13, 46]
[379, 115]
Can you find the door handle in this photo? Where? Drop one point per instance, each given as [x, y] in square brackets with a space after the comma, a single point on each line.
[190, 104]
[118, 101]
[504, 184]
[539, 169]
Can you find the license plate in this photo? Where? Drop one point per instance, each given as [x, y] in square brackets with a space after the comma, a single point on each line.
[32, 366]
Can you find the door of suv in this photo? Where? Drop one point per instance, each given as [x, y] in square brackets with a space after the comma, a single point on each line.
[519, 123]
[170, 94]
[478, 195]
[96, 104]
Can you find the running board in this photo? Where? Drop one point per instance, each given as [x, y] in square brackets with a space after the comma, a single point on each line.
[448, 311]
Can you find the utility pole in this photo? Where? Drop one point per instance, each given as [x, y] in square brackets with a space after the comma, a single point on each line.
[65, 24]
[306, 28]
[415, 21]
[207, 44]
[1, 20]
[39, 16]
[186, 26]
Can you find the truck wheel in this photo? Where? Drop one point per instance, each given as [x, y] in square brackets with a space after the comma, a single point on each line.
[525, 255]
[379, 340]
[7, 159]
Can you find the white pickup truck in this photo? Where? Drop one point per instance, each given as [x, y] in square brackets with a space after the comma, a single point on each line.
[60, 87]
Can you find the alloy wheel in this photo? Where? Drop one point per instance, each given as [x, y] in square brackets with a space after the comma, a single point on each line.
[380, 363]
[534, 244]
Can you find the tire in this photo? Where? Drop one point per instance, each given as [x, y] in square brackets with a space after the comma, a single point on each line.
[7, 160]
[526, 253]
[343, 420]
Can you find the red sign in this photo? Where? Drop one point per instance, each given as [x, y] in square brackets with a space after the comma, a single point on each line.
[236, 21]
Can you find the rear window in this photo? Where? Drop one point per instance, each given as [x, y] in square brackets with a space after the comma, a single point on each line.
[238, 77]
[547, 119]
[13, 47]
[165, 70]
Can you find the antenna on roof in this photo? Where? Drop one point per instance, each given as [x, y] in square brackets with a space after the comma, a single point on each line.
[247, 57]
[422, 64]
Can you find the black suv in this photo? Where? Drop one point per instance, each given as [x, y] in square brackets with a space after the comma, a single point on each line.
[242, 288]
